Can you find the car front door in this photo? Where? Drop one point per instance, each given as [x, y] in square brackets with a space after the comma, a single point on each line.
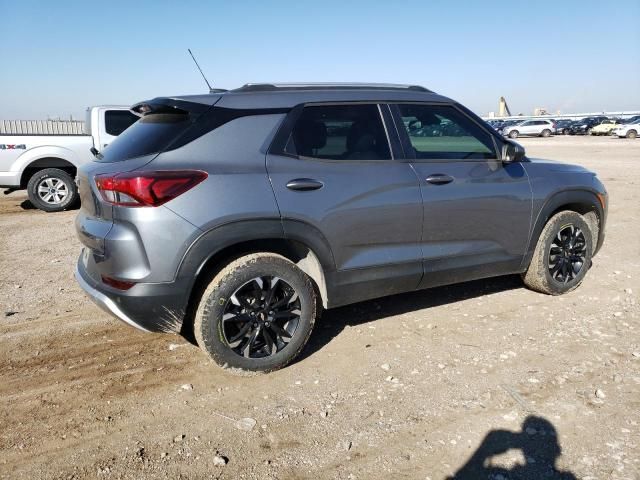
[335, 176]
[477, 209]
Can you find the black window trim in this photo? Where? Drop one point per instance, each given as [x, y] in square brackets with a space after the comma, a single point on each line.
[406, 141]
[281, 138]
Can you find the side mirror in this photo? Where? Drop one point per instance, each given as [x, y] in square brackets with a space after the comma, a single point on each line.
[512, 152]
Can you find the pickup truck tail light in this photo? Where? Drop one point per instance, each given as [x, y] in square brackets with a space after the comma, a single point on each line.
[146, 189]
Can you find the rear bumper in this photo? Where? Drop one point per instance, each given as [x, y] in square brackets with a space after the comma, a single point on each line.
[104, 302]
[150, 307]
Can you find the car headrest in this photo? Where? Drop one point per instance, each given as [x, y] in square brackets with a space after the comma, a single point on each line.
[360, 138]
[309, 134]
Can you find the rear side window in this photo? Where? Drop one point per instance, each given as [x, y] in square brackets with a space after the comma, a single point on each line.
[443, 132]
[339, 132]
[150, 134]
[117, 121]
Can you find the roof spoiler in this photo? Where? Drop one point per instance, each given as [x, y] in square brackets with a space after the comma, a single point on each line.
[168, 105]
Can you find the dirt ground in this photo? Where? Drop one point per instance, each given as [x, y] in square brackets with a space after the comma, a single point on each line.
[411, 386]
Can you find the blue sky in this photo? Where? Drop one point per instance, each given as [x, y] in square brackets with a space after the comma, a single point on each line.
[60, 56]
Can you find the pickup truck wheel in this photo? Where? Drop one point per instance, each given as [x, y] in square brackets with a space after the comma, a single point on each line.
[256, 314]
[562, 256]
[632, 134]
[513, 134]
[546, 133]
[52, 190]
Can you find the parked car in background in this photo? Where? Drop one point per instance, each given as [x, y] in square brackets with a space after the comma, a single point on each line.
[562, 125]
[628, 130]
[536, 128]
[584, 126]
[43, 156]
[496, 124]
[631, 119]
[506, 123]
[605, 128]
[239, 215]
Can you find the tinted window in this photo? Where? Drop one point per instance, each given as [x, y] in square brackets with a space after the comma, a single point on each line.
[117, 121]
[150, 134]
[339, 132]
[442, 132]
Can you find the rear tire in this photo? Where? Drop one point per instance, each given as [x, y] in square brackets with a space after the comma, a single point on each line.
[566, 239]
[52, 190]
[632, 134]
[241, 325]
[546, 133]
[513, 134]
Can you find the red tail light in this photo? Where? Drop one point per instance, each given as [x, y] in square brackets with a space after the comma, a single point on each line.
[147, 189]
[117, 284]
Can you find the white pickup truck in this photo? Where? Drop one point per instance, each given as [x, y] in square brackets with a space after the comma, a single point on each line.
[43, 156]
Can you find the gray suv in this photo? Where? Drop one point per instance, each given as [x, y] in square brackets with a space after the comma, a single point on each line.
[240, 215]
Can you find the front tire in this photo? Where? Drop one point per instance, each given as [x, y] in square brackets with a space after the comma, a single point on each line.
[562, 256]
[513, 134]
[632, 134]
[256, 314]
[52, 190]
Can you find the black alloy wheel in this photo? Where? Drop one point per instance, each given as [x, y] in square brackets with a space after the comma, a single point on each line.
[567, 254]
[261, 317]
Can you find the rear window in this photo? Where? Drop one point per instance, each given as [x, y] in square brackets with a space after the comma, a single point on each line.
[339, 132]
[151, 134]
[117, 121]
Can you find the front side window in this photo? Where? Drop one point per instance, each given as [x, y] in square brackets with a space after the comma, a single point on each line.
[339, 132]
[443, 132]
[117, 121]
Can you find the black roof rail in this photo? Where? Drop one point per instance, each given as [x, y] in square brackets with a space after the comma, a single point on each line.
[274, 87]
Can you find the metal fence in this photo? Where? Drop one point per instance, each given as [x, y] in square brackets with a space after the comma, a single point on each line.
[41, 127]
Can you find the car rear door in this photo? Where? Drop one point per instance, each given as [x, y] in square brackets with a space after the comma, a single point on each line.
[336, 177]
[477, 210]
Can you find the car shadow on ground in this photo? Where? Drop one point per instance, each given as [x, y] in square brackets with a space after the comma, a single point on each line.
[27, 205]
[540, 446]
[335, 320]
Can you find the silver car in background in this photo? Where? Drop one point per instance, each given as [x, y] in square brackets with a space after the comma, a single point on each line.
[537, 128]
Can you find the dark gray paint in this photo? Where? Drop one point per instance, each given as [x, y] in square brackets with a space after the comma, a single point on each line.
[375, 227]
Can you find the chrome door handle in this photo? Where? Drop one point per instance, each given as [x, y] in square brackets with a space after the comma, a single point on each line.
[304, 184]
[439, 179]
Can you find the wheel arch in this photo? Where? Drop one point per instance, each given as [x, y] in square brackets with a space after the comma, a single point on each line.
[46, 162]
[217, 247]
[582, 201]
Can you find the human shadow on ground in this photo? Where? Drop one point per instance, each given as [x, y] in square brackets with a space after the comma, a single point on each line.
[335, 320]
[540, 447]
